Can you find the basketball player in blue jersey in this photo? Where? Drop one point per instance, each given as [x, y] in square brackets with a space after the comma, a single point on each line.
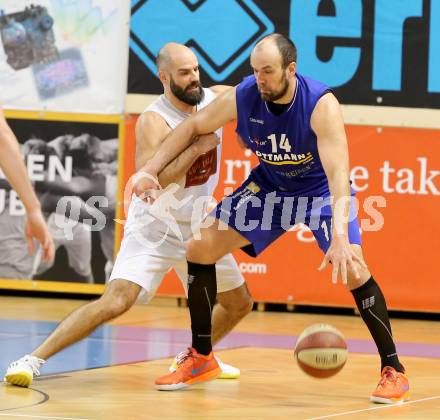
[294, 125]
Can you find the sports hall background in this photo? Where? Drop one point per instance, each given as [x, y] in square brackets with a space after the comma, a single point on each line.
[91, 72]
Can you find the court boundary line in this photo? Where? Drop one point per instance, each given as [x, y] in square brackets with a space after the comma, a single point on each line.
[42, 417]
[381, 407]
[45, 399]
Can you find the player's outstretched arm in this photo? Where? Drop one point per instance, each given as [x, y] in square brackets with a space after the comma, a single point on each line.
[206, 121]
[328, 124]
[178, 168]
[13, 167]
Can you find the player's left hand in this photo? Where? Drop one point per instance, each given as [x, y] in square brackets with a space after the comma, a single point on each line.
[341, 255]
[146, 186]
[37, 228]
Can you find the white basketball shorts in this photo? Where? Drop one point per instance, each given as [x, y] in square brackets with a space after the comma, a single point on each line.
[147, 265]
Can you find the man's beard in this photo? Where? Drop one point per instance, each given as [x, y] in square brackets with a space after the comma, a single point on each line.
[193, 97]
[273, 96]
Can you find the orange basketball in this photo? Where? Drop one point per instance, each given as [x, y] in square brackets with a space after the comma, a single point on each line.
[321, 351]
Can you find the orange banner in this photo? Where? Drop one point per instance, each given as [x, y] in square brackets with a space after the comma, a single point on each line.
[396, 172]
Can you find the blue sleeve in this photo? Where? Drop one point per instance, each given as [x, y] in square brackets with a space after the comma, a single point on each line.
[242, 96]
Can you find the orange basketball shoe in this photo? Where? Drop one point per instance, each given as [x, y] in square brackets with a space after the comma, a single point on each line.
[392, 388]
[192, 369]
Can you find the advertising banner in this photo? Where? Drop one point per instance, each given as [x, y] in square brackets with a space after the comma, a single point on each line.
[74, 168]
[64, 55]
[383, 52]
[396, 173]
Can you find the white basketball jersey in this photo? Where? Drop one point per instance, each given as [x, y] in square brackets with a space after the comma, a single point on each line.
[199, 181]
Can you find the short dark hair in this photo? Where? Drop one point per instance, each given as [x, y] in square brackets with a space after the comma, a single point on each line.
[286, 47]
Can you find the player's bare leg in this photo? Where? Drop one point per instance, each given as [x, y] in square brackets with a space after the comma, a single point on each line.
[118, 297]
[232, 306]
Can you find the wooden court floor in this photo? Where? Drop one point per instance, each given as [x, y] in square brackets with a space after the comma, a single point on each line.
[271, 384]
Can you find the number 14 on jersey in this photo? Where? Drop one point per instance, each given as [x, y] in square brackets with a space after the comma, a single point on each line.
[283, 143]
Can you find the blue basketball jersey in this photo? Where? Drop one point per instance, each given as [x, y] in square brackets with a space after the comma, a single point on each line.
[285, 145]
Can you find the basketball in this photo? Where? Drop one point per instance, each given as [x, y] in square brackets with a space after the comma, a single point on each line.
[321, 350]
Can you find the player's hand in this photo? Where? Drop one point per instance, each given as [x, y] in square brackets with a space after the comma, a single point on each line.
[146, 186]
[206, 142]
[341, 255]
[36, 228]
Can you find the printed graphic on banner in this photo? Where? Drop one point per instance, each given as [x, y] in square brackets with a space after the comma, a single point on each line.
[54, 53]
[74, 170]
[221, 45]
[364, 50]
[28, 37]
[64, 75]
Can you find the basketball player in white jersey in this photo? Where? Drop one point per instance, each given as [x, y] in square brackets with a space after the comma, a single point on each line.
[146, 253]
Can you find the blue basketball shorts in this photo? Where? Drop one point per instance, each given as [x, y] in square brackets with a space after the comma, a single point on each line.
[262, 216]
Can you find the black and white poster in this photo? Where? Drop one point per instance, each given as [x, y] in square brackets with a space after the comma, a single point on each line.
[74, 169]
